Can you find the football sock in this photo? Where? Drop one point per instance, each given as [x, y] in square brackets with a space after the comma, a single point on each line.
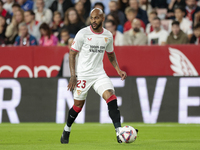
[73, 113]
[66, 128]
[114, 112]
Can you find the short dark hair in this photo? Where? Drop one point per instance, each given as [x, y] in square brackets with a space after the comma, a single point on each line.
[156, 18]
[16, 5]
[181, 8]
[196, 26]
[31, 12]
[175, 23]
[111, 21]
[101, 4]
[64, 30]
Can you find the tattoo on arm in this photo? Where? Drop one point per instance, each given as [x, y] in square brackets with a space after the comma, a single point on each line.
[72, 57]
[112, 59]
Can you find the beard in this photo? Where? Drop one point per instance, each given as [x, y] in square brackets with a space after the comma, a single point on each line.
[136, 29]
[97, 26]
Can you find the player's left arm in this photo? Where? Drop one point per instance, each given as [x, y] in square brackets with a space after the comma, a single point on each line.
[113, 60]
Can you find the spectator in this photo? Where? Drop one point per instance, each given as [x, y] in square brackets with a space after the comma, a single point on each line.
[42, 14]
[57, 23]
[196, 35]
[131, 14]
[25, 4]
[105, 3]
[3, 12]
[32, 25]
[64, 34]
[177, 36]
[113, 7]
[47, 39]
[122, 4]
[159, 35]
[15, 7]
[135, 36]
[61, 6]
[174, 4]
[81, 11]
[3, 25]
[99, 5]
[197, 18]
[72, 22]
[141, 14]
[191, 9]
[47, 3]
[24, 38]
[113, 16]
[87, 7]
[144, 4]
[12, 28]
[117, 36]
[8, 6]
[149, 27]
[185, 24]
[159, 3]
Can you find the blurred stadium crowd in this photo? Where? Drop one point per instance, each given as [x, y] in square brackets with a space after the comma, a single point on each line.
[132, 22]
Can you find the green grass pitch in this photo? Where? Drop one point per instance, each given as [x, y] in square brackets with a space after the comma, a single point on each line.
[96, 136]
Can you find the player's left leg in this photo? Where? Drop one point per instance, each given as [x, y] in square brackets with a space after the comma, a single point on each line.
[114, 112]
[104, 87]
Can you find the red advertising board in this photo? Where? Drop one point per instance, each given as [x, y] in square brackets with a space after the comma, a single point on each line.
[181, 60]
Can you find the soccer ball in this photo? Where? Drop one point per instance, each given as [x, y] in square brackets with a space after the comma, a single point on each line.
[127, 134]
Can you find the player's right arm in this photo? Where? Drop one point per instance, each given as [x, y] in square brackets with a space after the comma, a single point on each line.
[75, 49]
[73, 80]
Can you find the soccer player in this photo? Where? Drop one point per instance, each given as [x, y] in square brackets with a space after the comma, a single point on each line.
[86, 67]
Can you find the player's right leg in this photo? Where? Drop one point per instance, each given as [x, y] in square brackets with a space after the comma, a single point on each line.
[80, 94]
[72, 114]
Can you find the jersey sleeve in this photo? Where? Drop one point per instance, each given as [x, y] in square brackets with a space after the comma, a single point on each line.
[109, 48]
[78, 42]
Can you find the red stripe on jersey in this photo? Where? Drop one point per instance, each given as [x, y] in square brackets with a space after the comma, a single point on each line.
[96, 32]
[110, 52]
[113, 97]
[74, 49]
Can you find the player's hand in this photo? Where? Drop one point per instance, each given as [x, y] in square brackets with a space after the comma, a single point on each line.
[72, 83]
[122, 74]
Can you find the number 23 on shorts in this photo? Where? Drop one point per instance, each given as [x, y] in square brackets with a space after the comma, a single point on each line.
[79, 85]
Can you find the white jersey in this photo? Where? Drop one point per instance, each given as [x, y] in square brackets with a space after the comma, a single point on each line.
[156, 38]
[91, 47]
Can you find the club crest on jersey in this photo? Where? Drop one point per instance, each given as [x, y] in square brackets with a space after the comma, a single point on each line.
[106, 39]
[79, 92]
[89, 39]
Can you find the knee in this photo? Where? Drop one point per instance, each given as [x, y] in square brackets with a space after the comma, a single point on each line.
[78, 103]
[108, 93]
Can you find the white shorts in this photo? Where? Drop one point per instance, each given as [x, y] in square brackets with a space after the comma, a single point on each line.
[100, 84]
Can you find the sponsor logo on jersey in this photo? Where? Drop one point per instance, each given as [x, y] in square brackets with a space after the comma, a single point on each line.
[73, 42]
[106, 39]
[79, 92]
[89, 39]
